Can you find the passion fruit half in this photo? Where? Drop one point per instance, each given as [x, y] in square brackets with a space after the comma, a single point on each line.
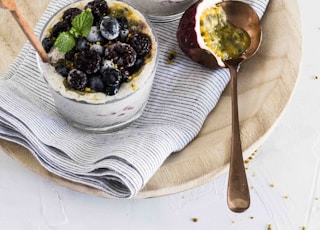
[208, 36]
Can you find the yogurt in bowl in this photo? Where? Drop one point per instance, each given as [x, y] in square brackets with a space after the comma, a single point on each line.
[102, 62]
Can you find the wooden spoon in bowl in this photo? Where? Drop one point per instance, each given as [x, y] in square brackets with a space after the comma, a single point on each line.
[24, 25]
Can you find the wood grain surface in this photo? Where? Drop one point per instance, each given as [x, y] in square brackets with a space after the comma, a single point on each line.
[266, 84]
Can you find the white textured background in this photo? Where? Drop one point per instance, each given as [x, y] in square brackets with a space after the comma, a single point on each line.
[284, 177]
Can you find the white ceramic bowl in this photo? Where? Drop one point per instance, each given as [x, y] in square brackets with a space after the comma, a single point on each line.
[161, 10]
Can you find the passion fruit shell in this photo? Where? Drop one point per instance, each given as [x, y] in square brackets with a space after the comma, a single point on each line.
[207, 36]
[189, 39]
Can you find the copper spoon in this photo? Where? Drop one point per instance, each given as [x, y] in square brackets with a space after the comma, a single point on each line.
[242, 16]
[16, 13]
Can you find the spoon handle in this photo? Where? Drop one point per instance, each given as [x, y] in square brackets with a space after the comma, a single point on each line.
[24, 25]
[238, 196]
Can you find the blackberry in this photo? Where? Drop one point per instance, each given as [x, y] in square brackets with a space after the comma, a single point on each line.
[95, 83]
[70, 14]
[70, 55]
[88, 61]
[125, 75]
[122, 54]
[111, 90]
[47, 44]
[109, 28]
[99, 9]
[60, 27]
[111, 77]
[141, 43]
[112, 80]
[77, 79]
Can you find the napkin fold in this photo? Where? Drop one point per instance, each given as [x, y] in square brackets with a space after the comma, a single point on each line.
[122, 162]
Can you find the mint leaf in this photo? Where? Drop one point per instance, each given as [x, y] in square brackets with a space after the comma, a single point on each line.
[82, 23]
[65, 42]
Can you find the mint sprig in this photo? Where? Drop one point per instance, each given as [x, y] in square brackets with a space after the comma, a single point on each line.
[81, 26]
[82, 23]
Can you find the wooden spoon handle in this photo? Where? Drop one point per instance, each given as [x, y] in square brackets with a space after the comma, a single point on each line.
[8, 4]
[24, 25]
[30, 34]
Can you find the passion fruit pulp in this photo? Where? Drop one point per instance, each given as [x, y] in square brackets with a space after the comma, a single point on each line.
[207, 37]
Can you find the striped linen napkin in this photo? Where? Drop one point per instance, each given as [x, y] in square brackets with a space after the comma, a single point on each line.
[122, 162]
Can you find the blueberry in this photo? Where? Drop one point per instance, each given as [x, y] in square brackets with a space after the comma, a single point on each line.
[47, 44]
[122, 54]
[123, 22]
[82, 44]
[105, 65]
[141, 43]
[77, 79]
[109, 28]
[123, 35]
[94, 35]
[62, 69]
[98, 48]
[88, 61]
[137, 65]
[95, 83]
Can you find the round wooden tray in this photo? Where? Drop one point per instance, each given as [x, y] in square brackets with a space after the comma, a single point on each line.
[266, 84]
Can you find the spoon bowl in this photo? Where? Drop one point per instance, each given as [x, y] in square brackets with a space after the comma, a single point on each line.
[242, 16]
